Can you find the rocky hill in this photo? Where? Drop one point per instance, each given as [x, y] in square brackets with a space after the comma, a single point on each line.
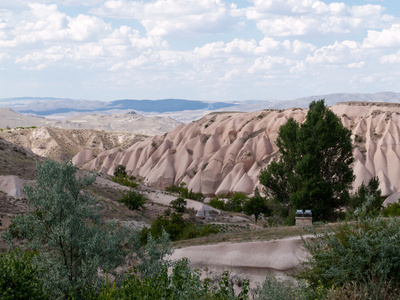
[224, 152]
[124, 122]
[61, 144]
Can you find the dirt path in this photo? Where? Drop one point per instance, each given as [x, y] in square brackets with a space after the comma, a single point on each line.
[251, 260]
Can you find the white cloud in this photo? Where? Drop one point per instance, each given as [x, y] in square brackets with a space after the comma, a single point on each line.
[342, 53]
[268, 62]
[61, 38]
[388, 37]
[232, 49]
[311, 17]
[356, 65]
[4, 56]
[171, 17]
[287, 26]
[226, 49]
[45, 23]
[391, 58]
[40, 60]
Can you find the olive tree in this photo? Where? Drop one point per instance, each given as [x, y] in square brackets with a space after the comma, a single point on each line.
[65, 227]
[314, 169]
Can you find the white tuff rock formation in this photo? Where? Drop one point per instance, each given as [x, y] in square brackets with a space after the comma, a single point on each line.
[225, 152]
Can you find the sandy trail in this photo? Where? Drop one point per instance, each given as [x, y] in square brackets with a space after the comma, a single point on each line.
[251, 260]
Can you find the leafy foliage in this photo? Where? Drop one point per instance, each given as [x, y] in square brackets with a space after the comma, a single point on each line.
[133, 200]
[365, 253]
[360, 196]
[217, 203]
[19, 277]
[66, 229]
[392, 209]
[125, 180]
[177, 228]
[152, 255]
[120, 171]
[179, 204]
[236, 202]
[185, 192]
[314, 167]
[256, 206]
[182, 283]
[150, 278]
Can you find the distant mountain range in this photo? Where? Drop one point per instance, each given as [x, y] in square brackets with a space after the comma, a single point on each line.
[51, 106]
[122, 122]
[182, 110]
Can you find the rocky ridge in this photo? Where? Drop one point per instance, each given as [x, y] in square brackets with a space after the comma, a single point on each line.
[61, 144]
[225, 152]
[127, 121]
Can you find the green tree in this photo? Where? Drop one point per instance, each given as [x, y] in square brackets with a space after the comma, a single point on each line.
[120, 170]
[392, 209]
[174, 224]
[360, 196]
[313, 171]
[133, 200]
[236, 202]
[179, 204]
[19, 277]
[256, 206]
[66, 229]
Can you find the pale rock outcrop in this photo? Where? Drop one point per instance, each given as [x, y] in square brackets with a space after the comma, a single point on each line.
[252, 260]
[12, 185]
[225, 152]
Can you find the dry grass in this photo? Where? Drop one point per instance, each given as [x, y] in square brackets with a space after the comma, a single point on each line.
[250, 233]
[15, 160]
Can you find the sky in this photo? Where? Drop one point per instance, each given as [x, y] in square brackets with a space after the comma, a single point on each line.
[213, 50]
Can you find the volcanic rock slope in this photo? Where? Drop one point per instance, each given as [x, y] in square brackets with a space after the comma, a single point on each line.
[225, 152]
[62, 144]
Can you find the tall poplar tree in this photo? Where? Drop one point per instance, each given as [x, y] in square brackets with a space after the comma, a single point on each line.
[314, 170]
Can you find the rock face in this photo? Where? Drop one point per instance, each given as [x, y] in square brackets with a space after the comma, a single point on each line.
[225, 152]
[61, 144]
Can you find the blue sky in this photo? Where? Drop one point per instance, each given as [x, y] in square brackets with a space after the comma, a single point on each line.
[198, 49]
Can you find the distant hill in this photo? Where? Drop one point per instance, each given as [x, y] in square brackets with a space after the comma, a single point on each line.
[167, 105]
[179, 109]
[130, 122]
[62, 144]
[51, 106]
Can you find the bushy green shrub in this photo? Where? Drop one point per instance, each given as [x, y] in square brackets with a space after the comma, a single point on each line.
[20, 277]
[365, 253]
[179, 204]
[392, 209]
[120, 170]
[177, 227]
[173, 189]
[364, 191]
[133, 200]
[173, 224]
[125, 181]
[217, 203]
[185, 192]
[236, 202]
[194, 231]
[181, 283]
[256, 206]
